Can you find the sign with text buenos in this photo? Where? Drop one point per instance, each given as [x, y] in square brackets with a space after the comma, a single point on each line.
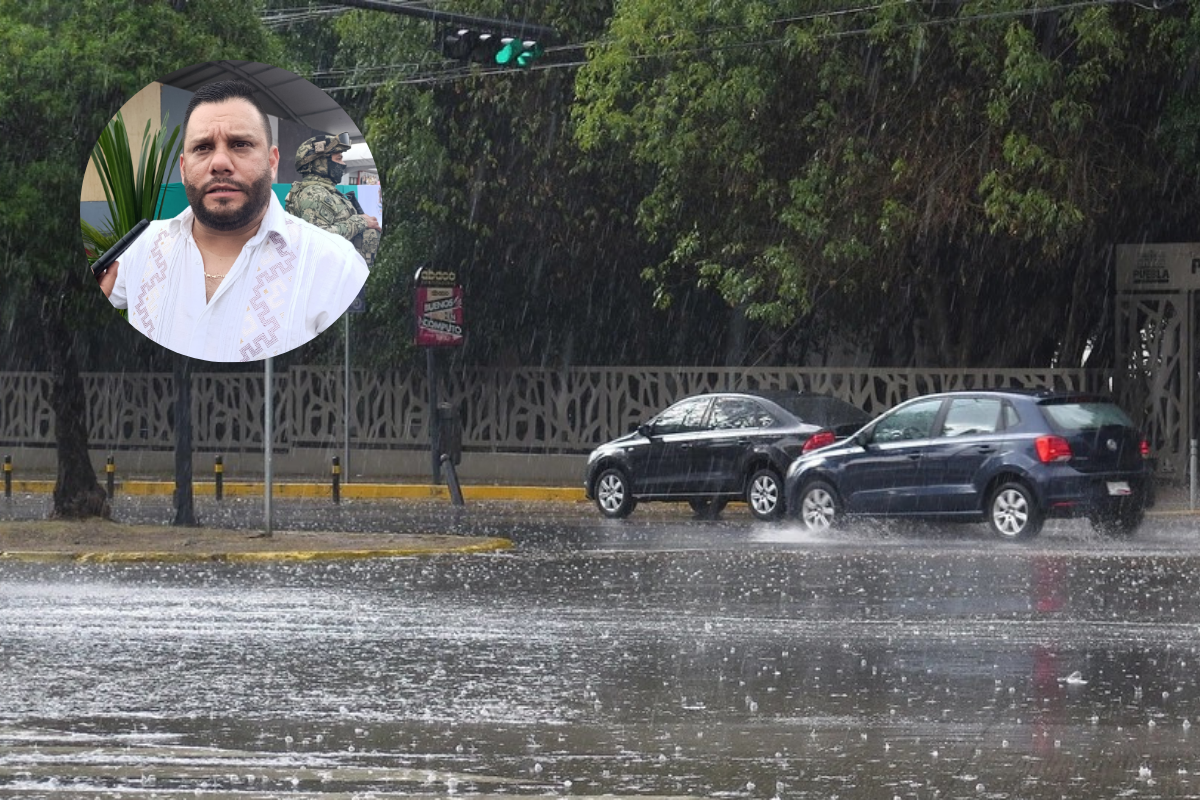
[439, 308]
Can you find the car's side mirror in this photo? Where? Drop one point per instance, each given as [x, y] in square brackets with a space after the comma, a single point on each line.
[646, 429]
[863, 439]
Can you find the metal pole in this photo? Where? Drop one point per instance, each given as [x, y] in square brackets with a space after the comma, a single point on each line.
[501, 26]
[346, 402]
[435, 423]
[8, 477]
[1192, 476]
[268, 439]
[110, 470]
[219, 477]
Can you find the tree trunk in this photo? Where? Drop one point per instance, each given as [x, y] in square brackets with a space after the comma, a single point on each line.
[185, 509]
[77, 494]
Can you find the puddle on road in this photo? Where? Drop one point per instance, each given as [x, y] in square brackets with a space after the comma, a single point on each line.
[758, 675]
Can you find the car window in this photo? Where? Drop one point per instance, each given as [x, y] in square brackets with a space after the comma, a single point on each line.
[1084, 416]
[683, 417]
[828, 412]
[1011, 418]
[911, 422]
[730, 413]
[969, 416]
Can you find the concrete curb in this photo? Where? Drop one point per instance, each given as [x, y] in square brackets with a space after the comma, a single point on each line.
[256, 557]
[355, 491]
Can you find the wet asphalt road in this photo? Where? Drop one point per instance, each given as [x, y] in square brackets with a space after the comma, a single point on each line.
[660, 656]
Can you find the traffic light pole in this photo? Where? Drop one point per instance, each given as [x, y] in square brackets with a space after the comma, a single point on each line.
[501, 26]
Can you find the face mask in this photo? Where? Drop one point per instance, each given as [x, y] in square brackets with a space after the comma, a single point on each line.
[336, 171]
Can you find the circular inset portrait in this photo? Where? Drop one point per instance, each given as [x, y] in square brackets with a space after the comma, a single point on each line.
[232, 210]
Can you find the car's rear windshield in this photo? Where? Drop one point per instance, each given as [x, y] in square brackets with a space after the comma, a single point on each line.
[1084, 416]
[825, 411]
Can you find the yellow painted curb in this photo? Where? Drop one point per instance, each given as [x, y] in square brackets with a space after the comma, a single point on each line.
[486, 546]
[357, 491]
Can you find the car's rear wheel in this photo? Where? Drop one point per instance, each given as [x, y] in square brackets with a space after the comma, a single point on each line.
[1013, 512]
[764, 494]
[613, 495]
[706, 508]
[819, 509]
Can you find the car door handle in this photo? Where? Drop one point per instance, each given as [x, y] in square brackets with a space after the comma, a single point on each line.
[913, 456]
[987, 448]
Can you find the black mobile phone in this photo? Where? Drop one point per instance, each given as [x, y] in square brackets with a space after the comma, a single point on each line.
[113, 253]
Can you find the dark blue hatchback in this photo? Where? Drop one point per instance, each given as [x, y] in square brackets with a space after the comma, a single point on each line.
[1012, 458]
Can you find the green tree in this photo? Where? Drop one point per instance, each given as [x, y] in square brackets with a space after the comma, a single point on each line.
[69, 68]
[482, 175]
[936, 183]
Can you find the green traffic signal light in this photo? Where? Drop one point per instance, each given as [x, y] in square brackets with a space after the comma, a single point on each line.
[521, 52]
[530, 53]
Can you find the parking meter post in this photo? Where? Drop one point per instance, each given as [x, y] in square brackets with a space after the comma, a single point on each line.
[219, 476]
[456, 496]
[8, 477]
[110, 470]
[337, 480]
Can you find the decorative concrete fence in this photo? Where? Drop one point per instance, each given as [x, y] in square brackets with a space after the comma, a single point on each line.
[565, 411]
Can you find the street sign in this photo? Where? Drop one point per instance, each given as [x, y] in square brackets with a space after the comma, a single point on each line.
[439, 308]
[359, 304]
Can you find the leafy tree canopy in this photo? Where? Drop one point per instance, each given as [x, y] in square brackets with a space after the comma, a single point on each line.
[940, 182]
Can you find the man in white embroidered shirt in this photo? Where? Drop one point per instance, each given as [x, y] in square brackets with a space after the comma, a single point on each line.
[233, 277]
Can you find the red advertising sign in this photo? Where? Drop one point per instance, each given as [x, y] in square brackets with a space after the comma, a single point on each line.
[438, 311]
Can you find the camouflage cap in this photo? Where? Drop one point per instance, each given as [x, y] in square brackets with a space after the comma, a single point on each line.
[321, 146]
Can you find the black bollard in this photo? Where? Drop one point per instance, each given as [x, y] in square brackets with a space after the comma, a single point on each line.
[219, 476]
[110, 475]
[8, 477]
[337, 480]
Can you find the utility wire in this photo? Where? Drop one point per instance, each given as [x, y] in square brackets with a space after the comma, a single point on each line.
[462, 72]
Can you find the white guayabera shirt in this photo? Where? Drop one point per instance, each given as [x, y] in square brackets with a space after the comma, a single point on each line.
[291, 281]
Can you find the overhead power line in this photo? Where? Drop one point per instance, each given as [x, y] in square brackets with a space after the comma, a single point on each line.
[460, 72]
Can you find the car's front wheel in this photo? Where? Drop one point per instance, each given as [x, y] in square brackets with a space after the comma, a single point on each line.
[764, 494]
[818, 508]
[613, 495]
[1013, 512]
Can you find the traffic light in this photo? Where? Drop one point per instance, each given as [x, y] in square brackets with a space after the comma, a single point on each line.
[465, 44]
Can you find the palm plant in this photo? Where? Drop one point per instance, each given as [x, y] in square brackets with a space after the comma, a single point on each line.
[133, 193]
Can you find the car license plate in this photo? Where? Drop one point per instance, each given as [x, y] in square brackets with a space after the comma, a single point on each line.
[1119, 488]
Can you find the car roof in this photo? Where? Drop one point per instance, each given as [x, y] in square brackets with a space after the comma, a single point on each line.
[1035, 393]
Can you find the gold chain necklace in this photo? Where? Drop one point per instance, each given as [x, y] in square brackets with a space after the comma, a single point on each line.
[214, 277]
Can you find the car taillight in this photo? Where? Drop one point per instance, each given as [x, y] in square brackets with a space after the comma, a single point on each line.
[819, 439]
[1053, 448]
[1145, 448]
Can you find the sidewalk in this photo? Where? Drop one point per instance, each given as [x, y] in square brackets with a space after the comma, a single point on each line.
[299, 489]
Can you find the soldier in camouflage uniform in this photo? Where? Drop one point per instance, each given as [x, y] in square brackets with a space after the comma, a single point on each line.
[314, 199]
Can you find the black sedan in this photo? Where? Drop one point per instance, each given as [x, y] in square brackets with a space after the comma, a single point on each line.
[1012, 458]
[709, 449]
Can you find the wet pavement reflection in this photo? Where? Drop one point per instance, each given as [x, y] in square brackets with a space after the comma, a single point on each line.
[663, 658]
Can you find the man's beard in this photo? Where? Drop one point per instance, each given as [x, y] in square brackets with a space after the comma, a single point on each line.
[228, 217]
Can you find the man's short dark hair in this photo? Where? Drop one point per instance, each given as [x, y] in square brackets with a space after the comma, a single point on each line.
[219, 92]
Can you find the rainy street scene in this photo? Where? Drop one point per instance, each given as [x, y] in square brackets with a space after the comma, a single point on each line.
[739, 400]
[660, 657]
